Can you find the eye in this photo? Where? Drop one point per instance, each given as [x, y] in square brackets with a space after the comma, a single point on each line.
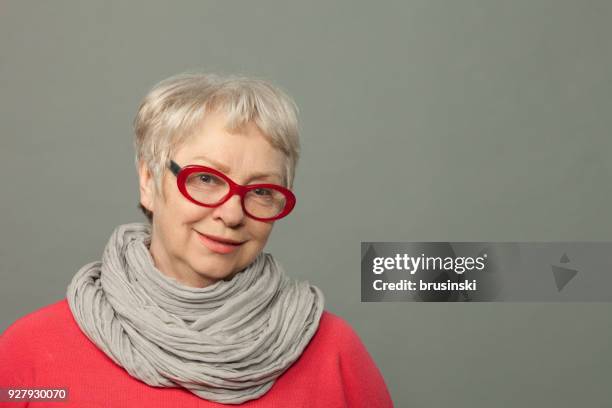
[208, 179]
[262, 192]
[205, 178]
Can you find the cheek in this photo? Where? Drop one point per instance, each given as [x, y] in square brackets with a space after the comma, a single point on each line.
[258, 237]
[179, 222]
[189, 214]
[260, 232]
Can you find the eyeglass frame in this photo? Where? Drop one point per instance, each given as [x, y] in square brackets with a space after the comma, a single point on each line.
[182, 173]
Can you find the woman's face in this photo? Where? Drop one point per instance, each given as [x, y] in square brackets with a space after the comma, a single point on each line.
[178, 246]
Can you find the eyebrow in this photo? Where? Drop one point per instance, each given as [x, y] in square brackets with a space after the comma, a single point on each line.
[225, 169]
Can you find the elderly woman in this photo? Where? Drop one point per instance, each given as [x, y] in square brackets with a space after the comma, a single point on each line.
[187, 310]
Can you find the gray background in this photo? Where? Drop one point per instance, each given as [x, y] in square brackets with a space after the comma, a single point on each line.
[422, 120]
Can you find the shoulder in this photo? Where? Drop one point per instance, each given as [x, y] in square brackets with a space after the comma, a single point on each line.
[50, 314]
[30, 340]
[332, 322]
[337, 332]
[38, 326]
[361, 381]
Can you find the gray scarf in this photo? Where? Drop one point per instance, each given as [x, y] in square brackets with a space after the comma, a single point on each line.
[227, 342]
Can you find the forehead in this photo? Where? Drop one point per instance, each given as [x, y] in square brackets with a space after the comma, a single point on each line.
[239, 152]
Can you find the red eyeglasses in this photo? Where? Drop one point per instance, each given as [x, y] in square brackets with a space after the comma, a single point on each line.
[209, 187]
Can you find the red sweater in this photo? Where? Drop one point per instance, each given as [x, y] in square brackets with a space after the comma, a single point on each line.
[47, 349]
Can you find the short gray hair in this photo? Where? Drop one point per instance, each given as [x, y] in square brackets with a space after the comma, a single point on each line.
[173, 109]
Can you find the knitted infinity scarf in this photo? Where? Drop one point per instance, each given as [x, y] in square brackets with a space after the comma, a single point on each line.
[227, 342]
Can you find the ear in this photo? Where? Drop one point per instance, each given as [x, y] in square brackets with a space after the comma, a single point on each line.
[146, 182]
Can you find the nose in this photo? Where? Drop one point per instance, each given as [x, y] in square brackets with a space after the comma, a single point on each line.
[230, 212]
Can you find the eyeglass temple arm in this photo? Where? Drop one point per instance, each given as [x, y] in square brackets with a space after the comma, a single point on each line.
[174, 168]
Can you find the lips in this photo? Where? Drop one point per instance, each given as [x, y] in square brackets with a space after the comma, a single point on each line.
[222, 240]
[218, 244]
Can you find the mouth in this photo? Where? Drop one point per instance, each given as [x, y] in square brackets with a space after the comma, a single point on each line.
[218, 244]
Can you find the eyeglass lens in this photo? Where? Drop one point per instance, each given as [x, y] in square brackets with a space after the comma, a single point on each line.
[210, 189]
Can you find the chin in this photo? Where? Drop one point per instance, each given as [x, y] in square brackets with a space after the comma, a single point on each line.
[213, 270]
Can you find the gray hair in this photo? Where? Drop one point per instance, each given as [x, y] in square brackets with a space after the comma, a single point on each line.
[173, 109]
